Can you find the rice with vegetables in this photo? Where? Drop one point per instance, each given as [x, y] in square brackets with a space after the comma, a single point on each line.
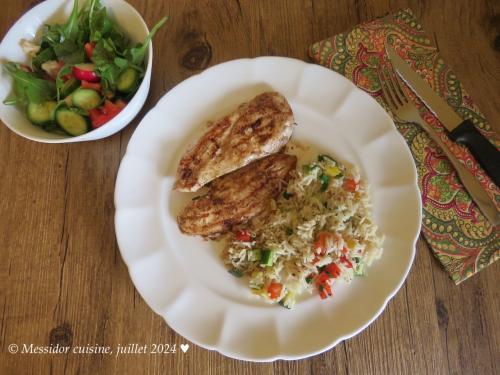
[317, 232]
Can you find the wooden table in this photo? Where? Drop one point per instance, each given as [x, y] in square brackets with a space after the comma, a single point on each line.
[62, 279]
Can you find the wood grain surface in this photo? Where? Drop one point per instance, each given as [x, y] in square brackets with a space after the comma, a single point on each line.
[62, 280]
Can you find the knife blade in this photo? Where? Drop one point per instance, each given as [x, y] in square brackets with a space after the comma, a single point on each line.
[460, 131]
[470, 182]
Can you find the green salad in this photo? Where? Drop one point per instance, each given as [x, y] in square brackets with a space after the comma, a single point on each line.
[82, 72]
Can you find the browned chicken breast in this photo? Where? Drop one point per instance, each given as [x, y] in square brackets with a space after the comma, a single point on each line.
[237, 197]
[256, 129]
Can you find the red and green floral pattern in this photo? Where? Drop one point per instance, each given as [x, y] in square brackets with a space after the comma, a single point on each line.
[460, 236]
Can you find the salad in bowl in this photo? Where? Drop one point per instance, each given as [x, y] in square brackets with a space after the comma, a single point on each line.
[81, 73]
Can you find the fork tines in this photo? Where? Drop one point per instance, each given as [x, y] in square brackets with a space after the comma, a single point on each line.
[391, 87]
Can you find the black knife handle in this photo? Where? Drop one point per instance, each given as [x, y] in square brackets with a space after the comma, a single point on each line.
[485, 152]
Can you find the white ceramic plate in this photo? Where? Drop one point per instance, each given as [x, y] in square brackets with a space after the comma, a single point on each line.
[182, 277]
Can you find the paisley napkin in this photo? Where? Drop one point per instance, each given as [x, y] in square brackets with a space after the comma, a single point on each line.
[459, 235]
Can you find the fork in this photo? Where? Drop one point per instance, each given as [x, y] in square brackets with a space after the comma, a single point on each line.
[401, 106]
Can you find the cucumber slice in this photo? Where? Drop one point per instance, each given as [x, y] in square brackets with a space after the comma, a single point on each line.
[254, 254]
[127, 81]
[288, 301]
[72, 122]
[236, 272]
[267, 257]
[86, 99]
[40, 113]
[327, 159]
[69, 86]
[359, 269]
[325, 179]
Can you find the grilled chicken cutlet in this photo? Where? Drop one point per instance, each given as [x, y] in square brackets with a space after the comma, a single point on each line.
[237, 197]
[256, 129]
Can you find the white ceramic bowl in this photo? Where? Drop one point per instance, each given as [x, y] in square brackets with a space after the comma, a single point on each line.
[29, 27]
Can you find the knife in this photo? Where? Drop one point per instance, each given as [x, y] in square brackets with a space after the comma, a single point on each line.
[460, 131]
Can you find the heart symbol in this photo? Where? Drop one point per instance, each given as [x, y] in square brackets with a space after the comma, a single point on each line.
[184, 347]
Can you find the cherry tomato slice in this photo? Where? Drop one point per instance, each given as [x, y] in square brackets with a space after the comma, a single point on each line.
[350, 185]
[274, 289]
[243, 236]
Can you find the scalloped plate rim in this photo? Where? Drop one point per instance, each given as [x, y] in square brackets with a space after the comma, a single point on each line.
[394, 290]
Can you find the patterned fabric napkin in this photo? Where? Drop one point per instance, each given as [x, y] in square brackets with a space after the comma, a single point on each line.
[459, 235]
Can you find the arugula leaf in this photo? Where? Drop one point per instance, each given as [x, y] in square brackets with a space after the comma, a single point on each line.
[136, 54]
[110, 45]
[99, 23]
[66, 40]
[104, 59]
[44, 55]
[52, 34]
[66, 69]
[28, 87]
[103, 53]
[109, 74]
[69, 52]
[110, 62]
[120, 40]
[65, 48]
[70, 28]
[121, 62]
[63, 38]
[75, 57]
